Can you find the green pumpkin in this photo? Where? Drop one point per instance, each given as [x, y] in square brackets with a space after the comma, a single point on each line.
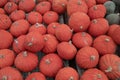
[110, 7]
[113, 18]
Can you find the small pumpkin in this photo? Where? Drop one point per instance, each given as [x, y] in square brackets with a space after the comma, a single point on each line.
[5, 21]
[104, 45]
[66, 50]
[50, 44]
[34, 41]
[50, 17]
[51, 28]
[67, 73]
[63, 32]
[76, 6]
[6, 39]
[50, 64]
[38, 27]
[17, 15]
[10, 7]
[93, 74]
[26, 5]
[18, 44]
[87, 57]
[82, 39]
[110, 65]
[98, 27]
[59, 6]
[19, 27]
[97, 11]
[79, 21]
[6, 58]
[25, 59]
[10, 73]
[43, 7]
[35, 76]
[34, 17]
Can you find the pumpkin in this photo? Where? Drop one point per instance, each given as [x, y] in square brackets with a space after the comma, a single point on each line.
[43, 7]
[67, 73]
[10, 73]
[5, 21]
[115, 35]
[15, 1]
[101, 1]
[6, 58]
[6, 39]
[90, 3]
[66, 50]
[59, 6]
[50, 64]
[87, 57]
[26, 5]
[50, 17]
[50, 44]
[97, 11]
[76, 6]
[38, 27]
[82, 39]
[2, 2]
[2, 11]
[111, 29]
[113, 18]
[98, 27]
[34, 41]
[110, 65]
[110, 7]
[93, 74]
[104, 45]
[63, 32]
[35, 76]
[10, 7]
[19, 27]
[51, 28]
[17, 15]
[79, 21]
[34, 17]
[25, 59]
[18, 44]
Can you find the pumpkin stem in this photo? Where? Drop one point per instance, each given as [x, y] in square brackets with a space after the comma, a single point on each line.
[71, 30]
[63, 5]
[54, 26]
[99, 76]
[95, 7]
[38, 25]
[107, 40]
[45, 38]
[47, 61]
[71, 78]
[30, 44]
[81, 27]
[109, 69]
[70, 42]
[1, 56]
[16, 41]
[25, 53]
[9, 6]
[94, 21]
[92, 58]
[79, 3]
[4, 78]
[83, 34]
[33, 79]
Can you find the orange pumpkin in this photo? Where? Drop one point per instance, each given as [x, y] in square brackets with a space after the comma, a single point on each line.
[38, 27]
[50, 44]
[104, 45]
[82, 39]
[76, 6]
[87, 57]
[50, 64]
[93, 74]
[10, 73]
[110, 65]
[43, 7]
[97, 11]
[6, 58]
[17, 15]
[25, 59]
[79, 21]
